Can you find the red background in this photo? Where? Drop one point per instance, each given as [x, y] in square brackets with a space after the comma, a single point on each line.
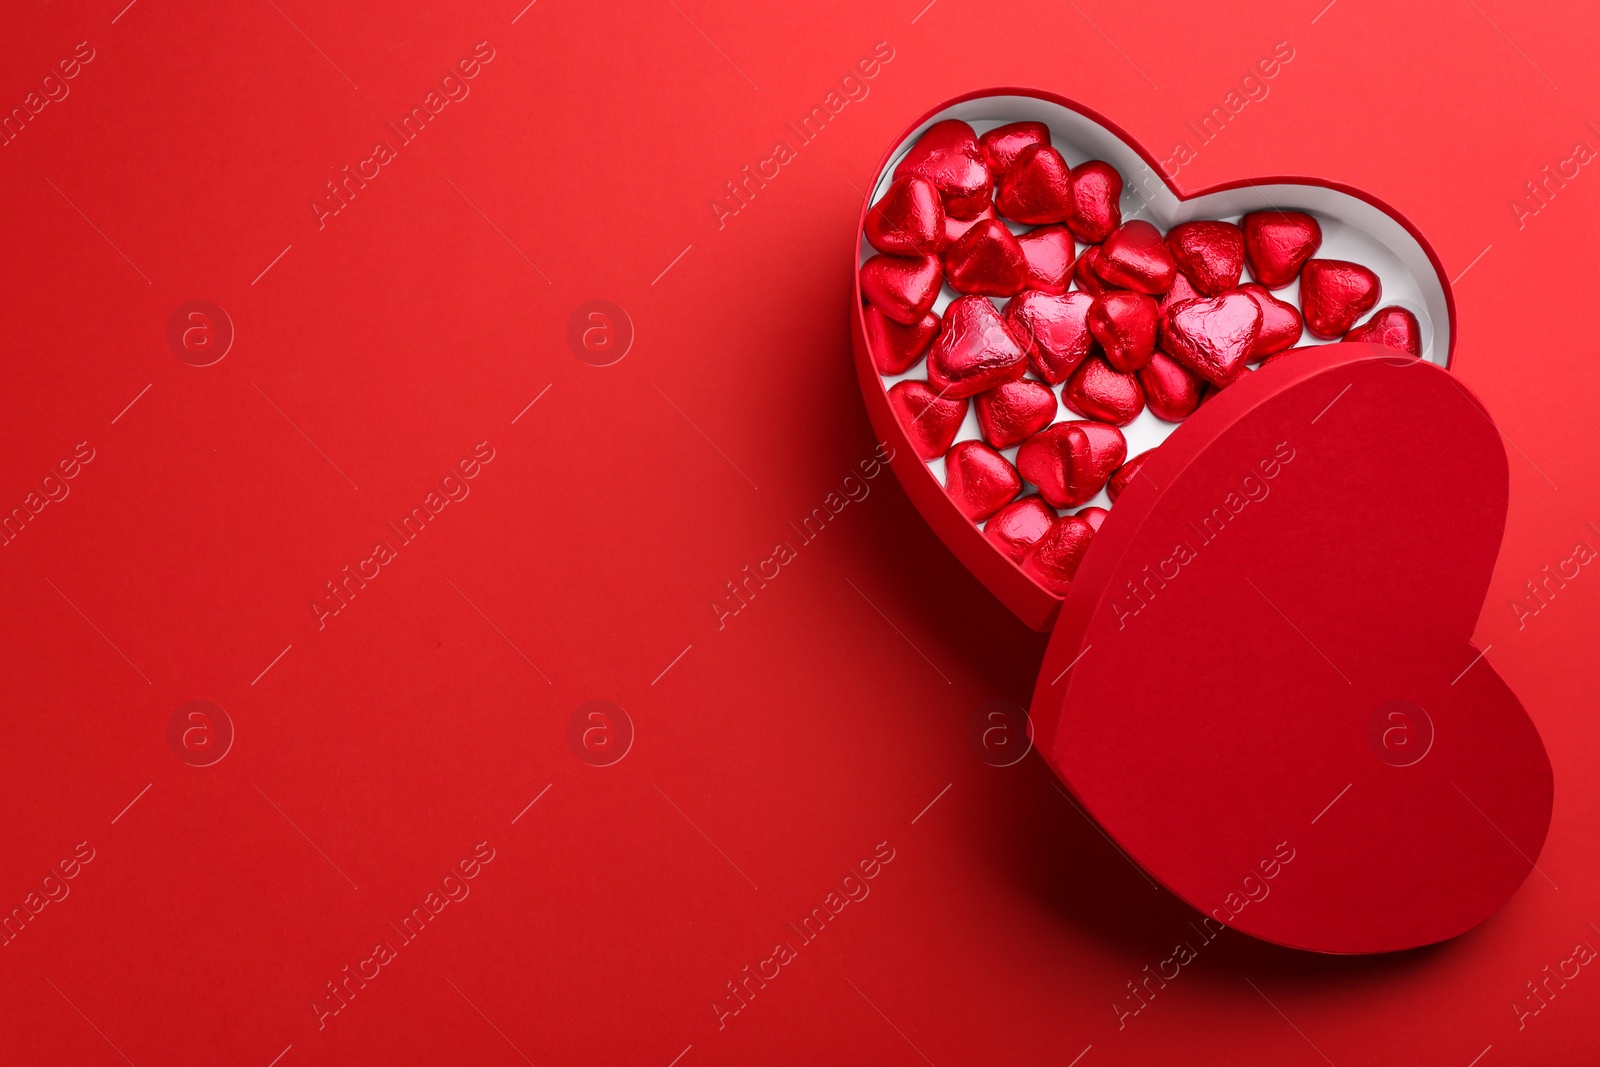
[828, 713]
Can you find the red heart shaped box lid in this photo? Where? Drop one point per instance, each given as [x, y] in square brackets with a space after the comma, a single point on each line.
[1266, 654]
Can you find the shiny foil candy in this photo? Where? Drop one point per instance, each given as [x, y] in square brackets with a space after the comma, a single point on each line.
[1066, 322]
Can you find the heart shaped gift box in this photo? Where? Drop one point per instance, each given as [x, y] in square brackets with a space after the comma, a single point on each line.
[1260, 680]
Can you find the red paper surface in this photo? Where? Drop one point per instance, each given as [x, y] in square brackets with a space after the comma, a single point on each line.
[828, 721]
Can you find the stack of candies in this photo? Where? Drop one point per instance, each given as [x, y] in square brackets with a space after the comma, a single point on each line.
[1135, 319]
